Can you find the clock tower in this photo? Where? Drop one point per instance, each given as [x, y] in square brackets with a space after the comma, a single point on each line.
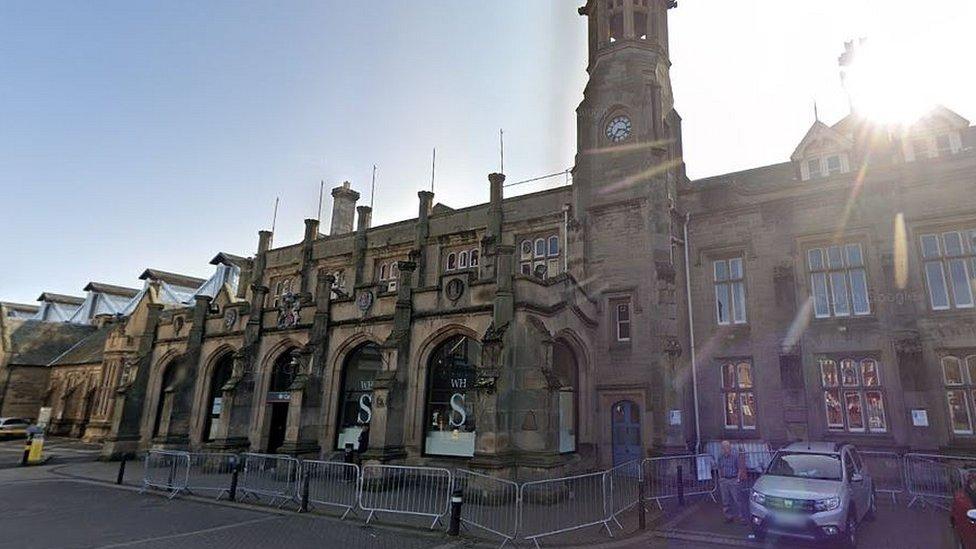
[625, 230]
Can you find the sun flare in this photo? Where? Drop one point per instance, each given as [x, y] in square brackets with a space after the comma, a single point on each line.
[881, 79]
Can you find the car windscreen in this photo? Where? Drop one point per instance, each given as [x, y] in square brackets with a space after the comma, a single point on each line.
[814, 466]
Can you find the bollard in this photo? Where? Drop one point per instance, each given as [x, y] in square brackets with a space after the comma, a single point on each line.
[232, 493]
[641, 508]
[27, 445]
[304, 488]
[457, 499]
[681, 485]
[121, 476]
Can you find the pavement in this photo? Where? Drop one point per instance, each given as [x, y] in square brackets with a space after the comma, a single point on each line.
[73, 502]
[57, 449]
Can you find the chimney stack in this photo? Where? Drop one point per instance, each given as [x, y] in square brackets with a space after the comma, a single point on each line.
[343, 209]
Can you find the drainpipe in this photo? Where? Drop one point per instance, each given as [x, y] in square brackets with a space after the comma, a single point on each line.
[691, 336]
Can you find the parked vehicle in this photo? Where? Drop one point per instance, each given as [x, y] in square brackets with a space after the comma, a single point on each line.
[816, 491]
[11, 427]
[962, 517]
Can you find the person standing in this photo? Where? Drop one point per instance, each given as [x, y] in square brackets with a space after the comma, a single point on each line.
[731, 477]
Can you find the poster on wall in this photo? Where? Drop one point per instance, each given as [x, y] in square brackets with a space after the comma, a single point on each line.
[920, 418]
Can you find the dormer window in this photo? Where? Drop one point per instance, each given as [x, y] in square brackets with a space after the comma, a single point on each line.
[825, 166]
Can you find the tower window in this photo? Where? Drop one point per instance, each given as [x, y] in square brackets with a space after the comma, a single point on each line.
[640, 24]
[616, 22]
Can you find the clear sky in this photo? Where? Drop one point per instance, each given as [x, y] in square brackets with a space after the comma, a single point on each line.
[140, 134]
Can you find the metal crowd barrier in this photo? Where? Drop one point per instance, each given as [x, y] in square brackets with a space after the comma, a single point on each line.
[624, 482]
[419, 491]
[272, 476]
[332, 483]
[166, 470]
[662, 480]
[887, 471]
[490, 503]
[554, 506]
[930, 478]
[211, 473]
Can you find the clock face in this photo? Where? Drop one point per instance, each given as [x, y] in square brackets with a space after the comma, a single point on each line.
[618, 129]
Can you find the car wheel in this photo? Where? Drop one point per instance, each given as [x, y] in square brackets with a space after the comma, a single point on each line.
[758, 534]
[872, 513]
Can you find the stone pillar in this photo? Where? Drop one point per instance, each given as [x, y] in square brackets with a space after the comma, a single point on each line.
[311, 233]
[305, 410]
[343, 209]
[493, 234]
[386, 433]
[130, 399]
[359, 254]
[421, 234]
[238, 393]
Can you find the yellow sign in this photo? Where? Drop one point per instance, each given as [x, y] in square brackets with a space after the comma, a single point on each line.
[36, 447]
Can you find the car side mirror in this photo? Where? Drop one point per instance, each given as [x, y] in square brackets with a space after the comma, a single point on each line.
[971, 515]
[857, 477]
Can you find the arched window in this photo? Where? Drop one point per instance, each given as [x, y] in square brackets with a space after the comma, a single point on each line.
[169, 376]
[214, 403]
[540, 247]
[567, 370]
[463, 260]
[383, 275]
[474, 258]
[449, 419]
[356, 401]
[451, 261]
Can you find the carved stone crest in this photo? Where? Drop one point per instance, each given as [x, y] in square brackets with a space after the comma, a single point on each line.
[288, 310]
[672, 347]
[230, 318]
[454, 289]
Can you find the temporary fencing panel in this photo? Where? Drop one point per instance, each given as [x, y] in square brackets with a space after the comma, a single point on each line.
[934, 478]
[624, 483]
[887, 471]
[490, 503]
[554, 506]
[271, 476]
[421, 491]
[166, 470]
[332, 483]
[663, 481]
[211, 473]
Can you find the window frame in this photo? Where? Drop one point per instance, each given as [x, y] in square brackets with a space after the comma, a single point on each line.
[536, 250]
[738, 391]
[828, 278]
[966, 359]
[727, 284]
[617, 304]
[842, 390]
[946, 262]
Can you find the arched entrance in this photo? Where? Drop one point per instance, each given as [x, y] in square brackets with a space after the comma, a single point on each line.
[169, 377]
[214, 404]
[356, 398]
[279, 396]
[449, 419]
[567, 371]
[625, 431]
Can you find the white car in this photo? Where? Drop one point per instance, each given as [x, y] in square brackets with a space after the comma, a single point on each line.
[817, 491]
[13, 427]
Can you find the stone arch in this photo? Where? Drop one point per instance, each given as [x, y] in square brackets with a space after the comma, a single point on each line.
[203, 399]
[162, 375]
[332, 380]
[584, 383]
[420, 368]
[263, 412]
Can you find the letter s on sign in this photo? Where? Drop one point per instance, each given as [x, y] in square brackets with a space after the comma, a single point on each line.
[457, 410]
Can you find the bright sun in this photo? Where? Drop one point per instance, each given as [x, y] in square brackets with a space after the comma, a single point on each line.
[885, 82]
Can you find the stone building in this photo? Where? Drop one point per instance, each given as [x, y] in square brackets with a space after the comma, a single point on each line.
[632, 312]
